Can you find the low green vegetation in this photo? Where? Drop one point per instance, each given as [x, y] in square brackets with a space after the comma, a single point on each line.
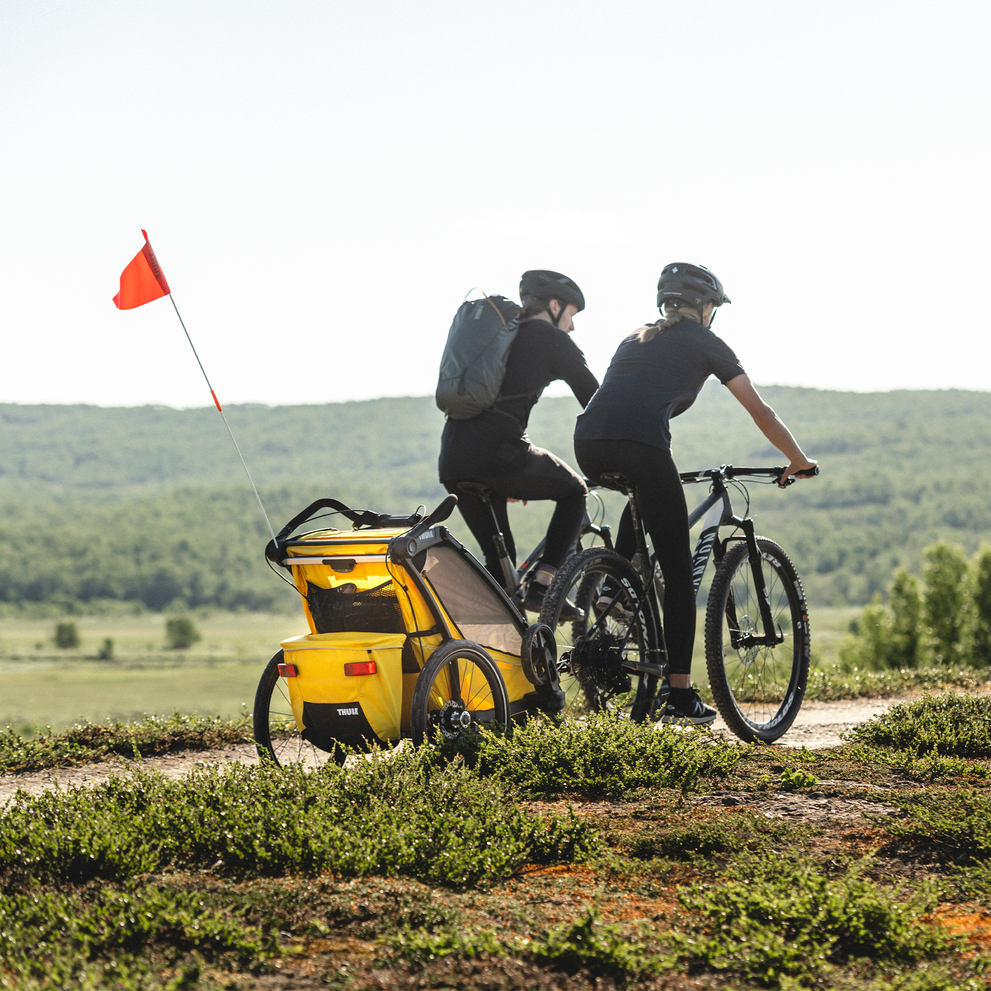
[520, 862]
[66, 636]
[946, 725]
[88, 742]
[181, 633]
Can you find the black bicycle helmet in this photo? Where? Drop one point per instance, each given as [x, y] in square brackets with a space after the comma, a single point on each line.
[540, 284]
[693, 285]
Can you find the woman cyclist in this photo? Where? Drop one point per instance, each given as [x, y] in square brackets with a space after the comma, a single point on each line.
[656, 374]
[493, 448]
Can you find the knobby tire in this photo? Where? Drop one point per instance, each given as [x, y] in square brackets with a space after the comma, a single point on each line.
[591, 650]
[758, 689]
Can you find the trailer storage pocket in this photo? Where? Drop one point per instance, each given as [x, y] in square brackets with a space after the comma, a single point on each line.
[346, 687]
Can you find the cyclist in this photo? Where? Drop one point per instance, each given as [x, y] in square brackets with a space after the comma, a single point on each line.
[493, 448]
[656, 374]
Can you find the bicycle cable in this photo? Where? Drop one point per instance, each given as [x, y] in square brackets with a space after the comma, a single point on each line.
[600, 511]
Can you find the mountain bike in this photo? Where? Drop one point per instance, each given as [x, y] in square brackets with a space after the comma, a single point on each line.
[756, 621]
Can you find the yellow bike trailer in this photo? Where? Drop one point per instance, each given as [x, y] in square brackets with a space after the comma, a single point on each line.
[409, 637]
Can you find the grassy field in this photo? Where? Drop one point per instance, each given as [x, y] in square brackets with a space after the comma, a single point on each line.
[43, 686]
[46, 687]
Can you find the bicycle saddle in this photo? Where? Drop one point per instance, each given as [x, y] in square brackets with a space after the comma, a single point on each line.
[475, 488]
[615, 480]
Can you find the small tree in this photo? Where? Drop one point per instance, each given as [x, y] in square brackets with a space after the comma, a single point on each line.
[906, 621]
[870, 645]
[982, 606]
[66, 636]
[181, 633]
[945, 605]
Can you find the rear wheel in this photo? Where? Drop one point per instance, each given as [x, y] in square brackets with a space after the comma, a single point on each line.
[604, 631]
[758, 688]
[459, 691]
[277, 737]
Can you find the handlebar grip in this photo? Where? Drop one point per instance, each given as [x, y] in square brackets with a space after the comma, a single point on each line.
[441, 513]
[804, 473]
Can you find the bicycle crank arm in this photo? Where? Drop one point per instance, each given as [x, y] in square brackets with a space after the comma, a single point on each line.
[656, 670]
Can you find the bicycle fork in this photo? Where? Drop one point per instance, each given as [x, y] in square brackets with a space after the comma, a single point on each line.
[716, 508]
[772, 636]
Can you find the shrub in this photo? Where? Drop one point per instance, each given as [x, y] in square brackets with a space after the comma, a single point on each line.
[945, 604]
[181, 633]
[906, 621]
[981, 586]
[947, 725]
[66, 636]
[870, 645]
[106, 652]
[947, 622]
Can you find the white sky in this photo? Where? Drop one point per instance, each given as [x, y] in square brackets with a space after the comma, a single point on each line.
[324, 181]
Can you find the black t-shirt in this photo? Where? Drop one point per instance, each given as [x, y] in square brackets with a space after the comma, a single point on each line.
[648, 384]
[490, 443]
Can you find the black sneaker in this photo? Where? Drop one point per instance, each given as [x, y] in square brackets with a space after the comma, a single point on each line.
[685, 706]
[534, 602]
[611, 600]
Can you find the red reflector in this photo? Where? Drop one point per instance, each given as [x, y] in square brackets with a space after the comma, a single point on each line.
[287, 671]
[359, 667]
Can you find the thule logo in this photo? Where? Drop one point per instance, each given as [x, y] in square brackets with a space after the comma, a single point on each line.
[351, 710]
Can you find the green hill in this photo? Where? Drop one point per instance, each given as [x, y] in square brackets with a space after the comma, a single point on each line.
[150, 505]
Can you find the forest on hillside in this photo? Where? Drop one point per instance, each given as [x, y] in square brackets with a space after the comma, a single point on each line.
[150, 507]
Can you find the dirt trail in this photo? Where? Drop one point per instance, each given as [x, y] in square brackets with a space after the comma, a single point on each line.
[819, 725]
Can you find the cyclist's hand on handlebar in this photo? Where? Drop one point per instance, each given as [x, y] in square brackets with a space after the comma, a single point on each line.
[796, 470]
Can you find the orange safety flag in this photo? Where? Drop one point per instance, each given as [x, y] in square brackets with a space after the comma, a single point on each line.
[142, 281]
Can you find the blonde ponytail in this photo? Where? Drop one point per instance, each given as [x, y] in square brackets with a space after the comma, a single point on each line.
[673, 313]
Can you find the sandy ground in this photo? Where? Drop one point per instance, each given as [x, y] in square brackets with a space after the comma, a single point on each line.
[819, 725]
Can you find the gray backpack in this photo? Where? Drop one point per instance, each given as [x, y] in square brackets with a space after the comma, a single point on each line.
[474, 361]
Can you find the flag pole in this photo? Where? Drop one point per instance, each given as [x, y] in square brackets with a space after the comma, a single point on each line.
[216, 402]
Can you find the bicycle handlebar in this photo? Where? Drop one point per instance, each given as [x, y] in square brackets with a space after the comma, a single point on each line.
[731, 471]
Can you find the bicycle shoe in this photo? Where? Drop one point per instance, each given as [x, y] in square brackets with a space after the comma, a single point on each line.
[534, 602]
[608, 597]
[685, 706]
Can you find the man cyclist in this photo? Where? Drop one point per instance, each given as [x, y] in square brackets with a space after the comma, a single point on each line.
[493, 448]
[655, 375]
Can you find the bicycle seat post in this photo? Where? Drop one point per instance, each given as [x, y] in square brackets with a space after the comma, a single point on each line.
[619, 482]
[508, 567]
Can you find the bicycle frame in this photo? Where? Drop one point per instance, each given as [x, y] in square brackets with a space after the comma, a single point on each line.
[516, 578]
[716, 511]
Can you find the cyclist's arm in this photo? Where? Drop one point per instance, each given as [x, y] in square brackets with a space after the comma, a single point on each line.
[572, 368]
[770, 425]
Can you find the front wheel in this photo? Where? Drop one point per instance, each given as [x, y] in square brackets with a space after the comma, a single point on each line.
[459, 691]
[758, 688]
[605, 634]
[277, 738]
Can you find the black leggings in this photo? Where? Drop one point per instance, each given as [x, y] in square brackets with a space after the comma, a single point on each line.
[539, 475]
[661, 502]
